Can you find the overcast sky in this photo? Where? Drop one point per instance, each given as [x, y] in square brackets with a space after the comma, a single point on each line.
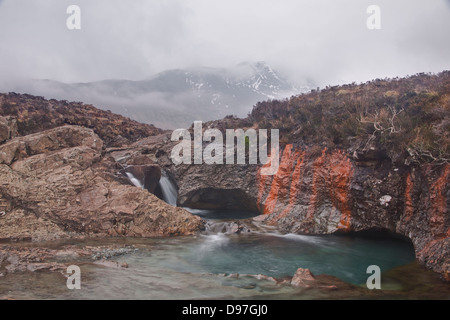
[326, 40]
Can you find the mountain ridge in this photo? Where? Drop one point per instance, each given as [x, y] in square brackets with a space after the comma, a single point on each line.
[175, 98]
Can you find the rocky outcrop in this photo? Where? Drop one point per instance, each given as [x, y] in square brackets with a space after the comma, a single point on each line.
[27, 259]
[200, 186]
[18, 224]
[61, 183]
[42, 143]
[331, 193]
[226, 227]
[327, 192]
[14, 258]
[302, 278]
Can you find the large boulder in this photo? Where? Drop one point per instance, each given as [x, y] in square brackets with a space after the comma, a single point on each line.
[61, 179]
[302, 278]
[48, 141]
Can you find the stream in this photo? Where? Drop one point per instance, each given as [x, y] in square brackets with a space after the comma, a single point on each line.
[217, 264]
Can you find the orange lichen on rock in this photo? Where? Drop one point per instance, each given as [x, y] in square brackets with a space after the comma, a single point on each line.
[409, 207]
[331, 175]
[439, 204]
[295, 186]
[340, 175]
[279, 186]
[318, 166]
[334, 173]
[263, 180]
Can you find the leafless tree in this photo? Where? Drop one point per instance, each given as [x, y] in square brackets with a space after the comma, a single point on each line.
[383, 122]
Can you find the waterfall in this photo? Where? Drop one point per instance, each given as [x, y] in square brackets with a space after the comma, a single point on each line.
[168, 190]
[134, 180]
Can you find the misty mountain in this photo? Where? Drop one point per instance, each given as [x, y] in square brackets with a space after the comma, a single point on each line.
[175, 98]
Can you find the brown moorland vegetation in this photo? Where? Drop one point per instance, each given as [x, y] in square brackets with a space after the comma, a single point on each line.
[406, 118]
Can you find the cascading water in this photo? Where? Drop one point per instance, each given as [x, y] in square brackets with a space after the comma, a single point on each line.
[221, 248]
[134, 180]
[168, 189]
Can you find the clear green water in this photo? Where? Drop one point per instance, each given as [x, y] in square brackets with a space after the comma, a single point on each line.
[198, 267]
[281, 255]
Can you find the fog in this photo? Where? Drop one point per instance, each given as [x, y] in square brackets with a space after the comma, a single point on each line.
[325, 42]
[120, 39]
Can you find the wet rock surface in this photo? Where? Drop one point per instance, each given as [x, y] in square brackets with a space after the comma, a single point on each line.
[302, 278]
[333, 193]
[14, 258]
[227, 227]
[60, 183]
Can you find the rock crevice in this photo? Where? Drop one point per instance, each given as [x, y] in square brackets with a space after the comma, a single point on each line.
[60, 183]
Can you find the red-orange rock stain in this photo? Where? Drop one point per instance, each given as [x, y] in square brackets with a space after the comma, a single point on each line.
[263, 180]
[340, 176]
[284, 170]
[439, 204]
[296, 184]
[332, 173]
[409, 207]
[318, 165]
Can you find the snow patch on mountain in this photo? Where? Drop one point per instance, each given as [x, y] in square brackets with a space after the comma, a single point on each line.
[176, 98]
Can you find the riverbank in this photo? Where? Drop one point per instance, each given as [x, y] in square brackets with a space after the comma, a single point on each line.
[249, 265]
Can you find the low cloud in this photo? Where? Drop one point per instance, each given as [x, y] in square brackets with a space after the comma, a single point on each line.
[326, 41]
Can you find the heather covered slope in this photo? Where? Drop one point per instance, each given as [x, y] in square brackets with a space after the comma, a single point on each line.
[407, 119]
[34, 114]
